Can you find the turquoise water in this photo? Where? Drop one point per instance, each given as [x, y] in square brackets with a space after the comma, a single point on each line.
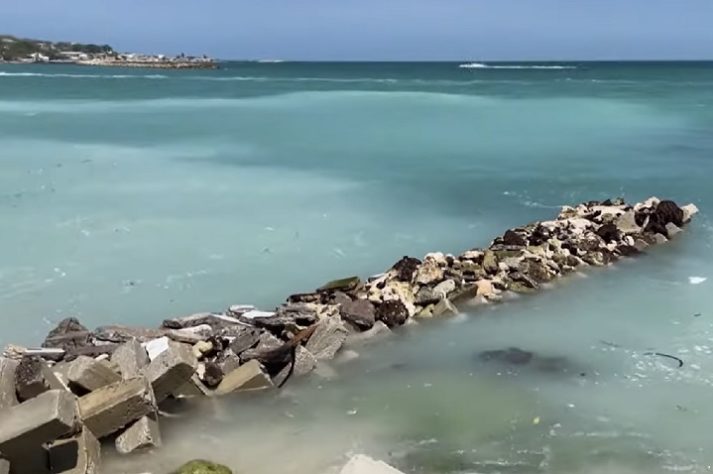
[130, 196]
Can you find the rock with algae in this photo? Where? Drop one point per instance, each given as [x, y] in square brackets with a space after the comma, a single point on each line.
[200, 466]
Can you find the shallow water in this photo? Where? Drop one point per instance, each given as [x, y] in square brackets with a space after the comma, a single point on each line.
[128, 196]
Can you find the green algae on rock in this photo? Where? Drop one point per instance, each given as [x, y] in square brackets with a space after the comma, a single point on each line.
[201, 466]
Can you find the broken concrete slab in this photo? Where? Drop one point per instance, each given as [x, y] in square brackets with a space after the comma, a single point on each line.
[131, 358]
[380, 329]
[361, 464]
[33, 377]
[80, 454]
[249, 376]
[171, 369]
[144, 433]
[85, 374]
[193, 388]
[37, 421]
[8, 367]
[112, 407]
[191, 335]
[328, 338]
[305, 363]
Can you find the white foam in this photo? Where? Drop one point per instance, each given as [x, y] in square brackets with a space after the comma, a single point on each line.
[696, 280]
[513, 66]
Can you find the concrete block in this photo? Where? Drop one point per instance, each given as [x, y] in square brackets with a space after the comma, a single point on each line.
[328, 338]
[249, 376]
[112, 407]
[78, 455]
[33, 460]
[131, 357]
[7, 383]
[33, 377]
[39, 420]
[193, 388]
[171, 369]
[144, 433]
[87, 374]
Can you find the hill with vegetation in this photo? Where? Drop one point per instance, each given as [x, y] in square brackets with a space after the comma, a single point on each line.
[13, 48]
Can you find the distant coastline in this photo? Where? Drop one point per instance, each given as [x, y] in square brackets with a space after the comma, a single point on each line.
[14, 50]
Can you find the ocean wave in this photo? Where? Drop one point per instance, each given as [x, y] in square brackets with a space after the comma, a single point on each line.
[513, 66]
[83, 76]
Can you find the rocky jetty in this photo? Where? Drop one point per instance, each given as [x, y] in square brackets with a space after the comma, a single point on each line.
[82, 386]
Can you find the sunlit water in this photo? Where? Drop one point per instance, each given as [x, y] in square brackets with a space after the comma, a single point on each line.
[130, 196]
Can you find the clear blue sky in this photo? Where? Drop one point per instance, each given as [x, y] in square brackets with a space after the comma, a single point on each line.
[377, 29]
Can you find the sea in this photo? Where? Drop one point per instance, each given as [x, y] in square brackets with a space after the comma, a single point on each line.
[128, 196]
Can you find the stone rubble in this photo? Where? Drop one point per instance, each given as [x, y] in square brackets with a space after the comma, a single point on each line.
[83, 386]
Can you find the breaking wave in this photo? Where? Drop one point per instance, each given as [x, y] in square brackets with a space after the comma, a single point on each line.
[83, 76]
[513, 66]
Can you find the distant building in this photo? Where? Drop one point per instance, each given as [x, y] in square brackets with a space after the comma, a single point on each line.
[74, 55]
[39, 58]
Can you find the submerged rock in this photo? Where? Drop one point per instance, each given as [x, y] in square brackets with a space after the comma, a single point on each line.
[200, 466]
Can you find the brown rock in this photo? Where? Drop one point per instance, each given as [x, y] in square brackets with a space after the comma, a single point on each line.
[69, 335]
[513, 238]
[213, 374]
[393, 313]
[405, 268]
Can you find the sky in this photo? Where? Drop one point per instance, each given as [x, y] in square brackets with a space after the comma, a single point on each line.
[377, 29]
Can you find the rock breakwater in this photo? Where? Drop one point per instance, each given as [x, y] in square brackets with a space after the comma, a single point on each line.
[82, 385]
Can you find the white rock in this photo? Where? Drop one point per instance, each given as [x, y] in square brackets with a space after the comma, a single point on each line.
[444, 288]
[361, 464]
[156, 347]
[672, 229]
[258, 314]
[689, 210]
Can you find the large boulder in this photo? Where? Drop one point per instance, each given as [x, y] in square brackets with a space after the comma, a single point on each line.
[69, 335]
